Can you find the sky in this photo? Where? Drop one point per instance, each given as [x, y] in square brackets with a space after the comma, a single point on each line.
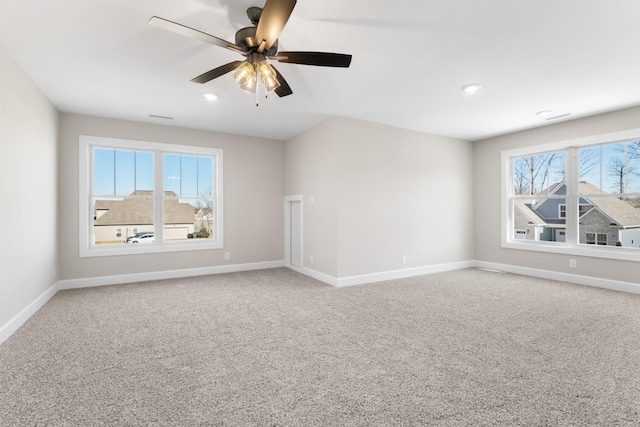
[121, 172]
[599, 165]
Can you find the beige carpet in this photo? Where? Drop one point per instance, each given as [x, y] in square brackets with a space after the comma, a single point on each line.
[275, 348]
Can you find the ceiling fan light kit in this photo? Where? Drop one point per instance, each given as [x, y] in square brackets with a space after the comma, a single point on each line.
[258, 44]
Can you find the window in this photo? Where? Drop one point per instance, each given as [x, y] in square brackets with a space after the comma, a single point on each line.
[580, 197]
[582, 209]
[168, 197]
[537, 198]
[596, 239]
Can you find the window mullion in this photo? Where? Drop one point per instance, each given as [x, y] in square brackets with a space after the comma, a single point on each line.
[572, 181]
[158, 197]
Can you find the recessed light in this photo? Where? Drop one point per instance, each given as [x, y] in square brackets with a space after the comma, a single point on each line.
[544, 113]
[210, 96]
[471, 87]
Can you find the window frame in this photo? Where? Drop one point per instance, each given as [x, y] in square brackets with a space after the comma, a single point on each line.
[86, 247]
[571, 246]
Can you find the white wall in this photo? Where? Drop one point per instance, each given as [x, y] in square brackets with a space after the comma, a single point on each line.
[380, 193]
[401, 193]
[253, 193]
[311, 170]
[487, 198]
[28, 191]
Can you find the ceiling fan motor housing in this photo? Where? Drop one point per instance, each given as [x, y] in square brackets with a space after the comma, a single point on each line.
[245, 38]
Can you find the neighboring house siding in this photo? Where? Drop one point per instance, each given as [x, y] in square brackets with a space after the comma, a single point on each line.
[136, 214]
[521, 222]
[107, 233]
[595, 221]
[549, 208]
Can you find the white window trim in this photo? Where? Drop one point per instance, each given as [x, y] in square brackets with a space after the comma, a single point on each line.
[87, 249]
[571, 246]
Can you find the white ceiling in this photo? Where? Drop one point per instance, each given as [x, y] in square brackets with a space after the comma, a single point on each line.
[410, 59]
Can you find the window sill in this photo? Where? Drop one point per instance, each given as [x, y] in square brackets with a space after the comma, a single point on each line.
[608, 252]
[133, 249]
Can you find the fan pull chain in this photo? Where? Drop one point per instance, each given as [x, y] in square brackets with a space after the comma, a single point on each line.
[257, 93]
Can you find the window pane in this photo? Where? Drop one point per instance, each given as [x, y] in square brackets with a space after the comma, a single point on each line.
[144, 171]
[204, 219]
[121, 172]
[103, 171]
[616, 219]
[179, 220]
[188, 220]
[119, 221]
[633, 160]
[189, 176]
[589, 167]
[538, 220]
[614, 168]
[205, 176]
[538, 174]
[125, 172]
[172, 173]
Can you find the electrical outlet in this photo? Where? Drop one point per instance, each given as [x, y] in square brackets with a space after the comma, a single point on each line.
[404, 259]
[572, 263]
[227, 256]
[311, 259]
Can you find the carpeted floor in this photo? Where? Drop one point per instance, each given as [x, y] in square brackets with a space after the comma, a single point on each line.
[276, 348]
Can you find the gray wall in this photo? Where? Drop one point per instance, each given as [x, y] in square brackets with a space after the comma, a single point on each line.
[28, 190]
[381, 192]
[253, 193]
[487, 197]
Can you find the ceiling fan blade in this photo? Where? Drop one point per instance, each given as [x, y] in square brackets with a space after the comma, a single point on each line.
[322, 59]
[275, 15]
[216, 72]
[193, 33]
[283, 89]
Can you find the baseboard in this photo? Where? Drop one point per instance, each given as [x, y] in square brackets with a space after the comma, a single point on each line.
[382, 276]
[596, 282]
[329, 280]
[402, 274]
[19, 319]
[168, 274]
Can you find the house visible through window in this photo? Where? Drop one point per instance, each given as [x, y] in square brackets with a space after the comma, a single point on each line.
[538, 198]
[568, 197]
[166, 196]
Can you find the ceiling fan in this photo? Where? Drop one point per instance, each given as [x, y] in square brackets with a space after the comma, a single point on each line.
[258, 44]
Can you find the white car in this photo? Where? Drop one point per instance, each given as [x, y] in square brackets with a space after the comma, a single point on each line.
[141, 238]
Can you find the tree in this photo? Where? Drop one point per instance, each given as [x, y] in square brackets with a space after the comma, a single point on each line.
[532, 173]
[633, 150]
[587, 161]
[620, 170]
